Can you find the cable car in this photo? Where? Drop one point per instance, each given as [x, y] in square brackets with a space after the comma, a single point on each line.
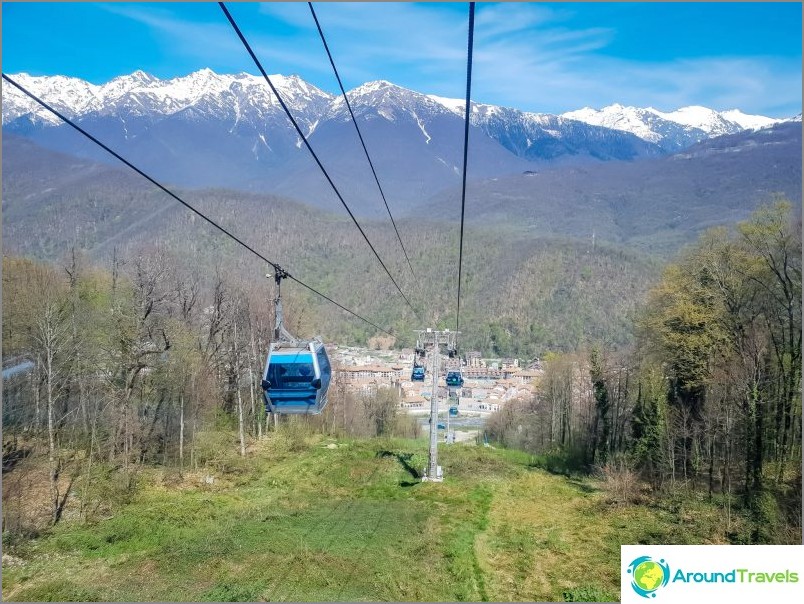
[297, 372]
[454, 378]
[296, 377]
[418, 374]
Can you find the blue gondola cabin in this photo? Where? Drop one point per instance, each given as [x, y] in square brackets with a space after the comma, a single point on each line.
[454, 378]
[296, 378]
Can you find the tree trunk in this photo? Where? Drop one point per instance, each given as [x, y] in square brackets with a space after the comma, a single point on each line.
[88, 477]
[756, 462]
[711, 465]
[193, 460]
[241, 424]
[253, 385]
[181, 433]
[254, 417]
[37, 401]
[51, 436]
[125, 432]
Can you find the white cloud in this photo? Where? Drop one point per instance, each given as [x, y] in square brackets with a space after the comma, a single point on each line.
[179, 35]
[500, 19]
[751, 84]
[526, 55]
[209, 42]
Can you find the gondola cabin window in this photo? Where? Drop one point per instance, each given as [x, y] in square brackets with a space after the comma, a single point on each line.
[286, 374]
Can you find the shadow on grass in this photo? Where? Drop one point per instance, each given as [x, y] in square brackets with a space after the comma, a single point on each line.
[582, 486]
[404, 459]
[569, 463]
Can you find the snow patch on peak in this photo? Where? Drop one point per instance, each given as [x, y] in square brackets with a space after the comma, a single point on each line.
[428, 138]
[694, 116]
[747, 121]
[277, 79]
[139, 76]
[381, 84]
[374, 86]
[618, 117]
[454, 105]
[479, 110]
[670, 129]
[581, 114]
[203, 72]
[386, 114]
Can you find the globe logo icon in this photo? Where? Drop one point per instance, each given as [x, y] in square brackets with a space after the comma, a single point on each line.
[648, 575]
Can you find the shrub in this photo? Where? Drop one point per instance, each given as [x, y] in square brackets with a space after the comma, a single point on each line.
[620, 482]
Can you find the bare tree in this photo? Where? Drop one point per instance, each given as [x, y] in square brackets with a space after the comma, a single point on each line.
[53, 336]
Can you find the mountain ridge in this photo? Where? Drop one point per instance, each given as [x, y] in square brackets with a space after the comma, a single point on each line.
[212, 130]
[713, 122]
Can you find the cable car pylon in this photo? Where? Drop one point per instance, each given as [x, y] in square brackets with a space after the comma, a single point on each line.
[435, 339]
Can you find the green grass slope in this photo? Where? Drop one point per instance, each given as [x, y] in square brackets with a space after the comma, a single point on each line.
[309, 521]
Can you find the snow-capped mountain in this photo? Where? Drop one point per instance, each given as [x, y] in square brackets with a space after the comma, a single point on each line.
[547, 136]
[208, 129]
[139, 94]
[415, 144]
[748, 122]
[203, 129]
[671, 130]
[531, 136]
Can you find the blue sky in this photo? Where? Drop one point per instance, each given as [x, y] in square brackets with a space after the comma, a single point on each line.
[549, 57]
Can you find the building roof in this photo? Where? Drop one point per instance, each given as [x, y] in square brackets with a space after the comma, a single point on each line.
[528, 373]
[371, 368]
[414, 399]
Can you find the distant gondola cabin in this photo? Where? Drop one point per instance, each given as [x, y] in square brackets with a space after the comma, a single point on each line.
[454, 378]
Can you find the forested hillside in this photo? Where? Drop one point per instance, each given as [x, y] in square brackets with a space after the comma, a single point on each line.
[524, 295]
[654, 205]
[708, 397]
